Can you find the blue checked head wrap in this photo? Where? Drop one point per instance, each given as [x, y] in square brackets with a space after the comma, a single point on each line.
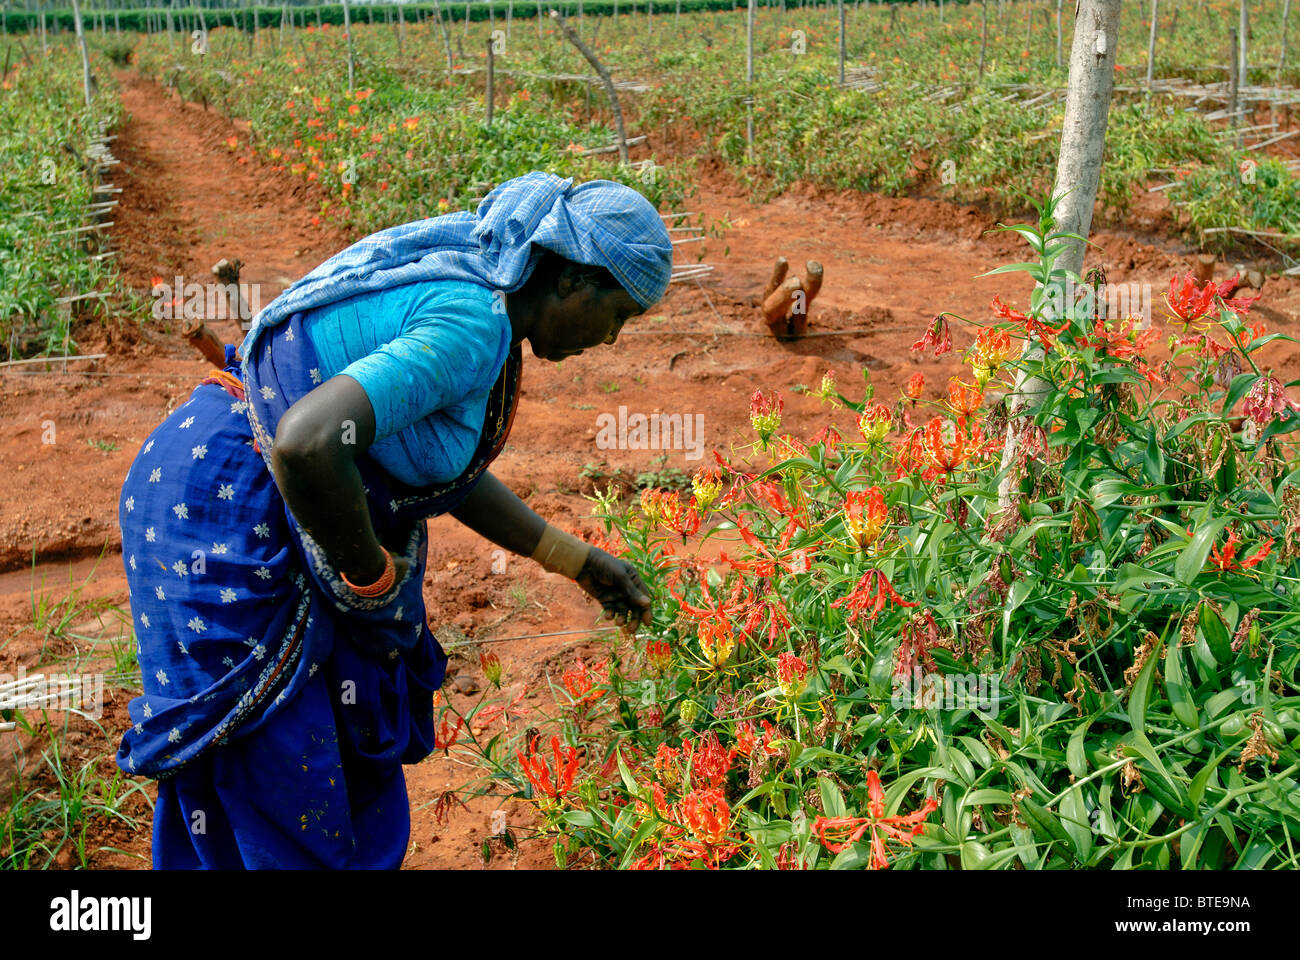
[598, 223]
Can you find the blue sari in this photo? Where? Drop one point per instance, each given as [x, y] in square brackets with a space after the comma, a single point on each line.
[278, 706]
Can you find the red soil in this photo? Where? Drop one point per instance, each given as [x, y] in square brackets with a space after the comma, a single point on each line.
[890, 264]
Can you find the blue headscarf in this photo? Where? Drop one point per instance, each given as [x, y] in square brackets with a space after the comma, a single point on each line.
[600, 223]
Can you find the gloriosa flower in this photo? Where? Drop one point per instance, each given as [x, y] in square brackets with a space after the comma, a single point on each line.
[791, 674]
[875, 423]
[944, 456]
[991, 350]
[491, 665]
[707, 484]
[964, 398]
[1033, 327]
[839, 833]
[869, 596]
[914, 387]
[937, 335]
[1266, 401]
[580, 681]
[1226, 559]
[765, 413]
[551, 782]
[865, 515]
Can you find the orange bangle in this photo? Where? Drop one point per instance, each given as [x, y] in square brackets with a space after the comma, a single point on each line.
[380, 586]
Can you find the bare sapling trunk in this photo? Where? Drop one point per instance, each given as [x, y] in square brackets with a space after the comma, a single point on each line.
[1286, 15]
[446, 34]
[81, 45]
[605, 78]
[1151, 44]
[1078, 176]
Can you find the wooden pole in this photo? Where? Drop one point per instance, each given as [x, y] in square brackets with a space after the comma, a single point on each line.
[1078, 175]
[347, 34]
[1243, 32]
[1151, 44]
[842, 39]
[446, 34]
[1234, 80]
[984, 33]
[81, 44]
[603, 73]
[1058, 32]
[749, 81]
[1281, 62]
[491, 71]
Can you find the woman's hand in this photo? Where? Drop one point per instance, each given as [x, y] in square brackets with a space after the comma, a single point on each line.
[618, 587]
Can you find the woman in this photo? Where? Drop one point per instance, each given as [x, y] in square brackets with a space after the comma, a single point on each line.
[273, 526]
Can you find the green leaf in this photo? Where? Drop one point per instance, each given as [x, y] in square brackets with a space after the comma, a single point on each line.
[1153, 464]
[1180, 695]
[1141, 691]
[1192, 560]
[988, 796]
[832, 799]
[1075, 758]
[1239, 387]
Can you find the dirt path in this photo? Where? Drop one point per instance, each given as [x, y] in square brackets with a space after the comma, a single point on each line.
[187, 201]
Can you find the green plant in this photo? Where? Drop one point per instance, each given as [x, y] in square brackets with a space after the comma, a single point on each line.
[40, 821]
[895, 663]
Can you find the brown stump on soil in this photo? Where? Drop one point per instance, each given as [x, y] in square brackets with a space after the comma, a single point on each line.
[1203, 267]
[786, 299]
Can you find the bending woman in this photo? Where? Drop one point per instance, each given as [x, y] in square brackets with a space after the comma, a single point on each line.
[273, 526]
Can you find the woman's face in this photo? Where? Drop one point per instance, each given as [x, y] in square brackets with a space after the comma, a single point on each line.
[575, 316]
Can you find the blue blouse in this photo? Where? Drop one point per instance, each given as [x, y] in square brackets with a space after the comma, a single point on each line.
[427, 354]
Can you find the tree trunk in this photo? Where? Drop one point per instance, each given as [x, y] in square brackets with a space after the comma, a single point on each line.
[749, 82]
[1078, 175]
[81, 44]
[984, 33]
[1151, 44]
[347, 33]
[842, 40]
[446, 34]
[599, 67]
[1286, 14]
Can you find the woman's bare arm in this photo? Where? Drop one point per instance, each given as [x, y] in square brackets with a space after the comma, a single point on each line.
[314, 463]
[493, 511]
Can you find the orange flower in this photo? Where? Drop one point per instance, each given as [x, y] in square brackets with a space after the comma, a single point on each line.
[580, 681]
[944, 457]
[1188, 303]
[992, 347]
[1033, 326]
[410, 123]
[707, 815]
[1227, 559]
[964, 399]
[791, 674]
[874, 423]
[865, 515]
[839, 833]
[914, 387]
[869, 596]
[937, 335]
[552, 783]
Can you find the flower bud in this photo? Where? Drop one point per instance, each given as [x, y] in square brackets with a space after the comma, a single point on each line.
[689, 710]
[491, 665]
